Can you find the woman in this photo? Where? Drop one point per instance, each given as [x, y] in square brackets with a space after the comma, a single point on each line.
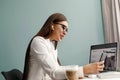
[41, 61]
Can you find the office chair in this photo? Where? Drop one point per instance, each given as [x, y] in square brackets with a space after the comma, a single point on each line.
[13, 74]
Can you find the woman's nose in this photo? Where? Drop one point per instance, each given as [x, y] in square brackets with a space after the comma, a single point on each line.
[64, 32]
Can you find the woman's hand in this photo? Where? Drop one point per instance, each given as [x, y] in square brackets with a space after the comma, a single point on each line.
[93, 67]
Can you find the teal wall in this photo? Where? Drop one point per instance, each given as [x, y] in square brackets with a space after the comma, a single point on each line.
[21, 19]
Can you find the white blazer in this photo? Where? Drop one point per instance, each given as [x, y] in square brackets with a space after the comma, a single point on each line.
[43, 61]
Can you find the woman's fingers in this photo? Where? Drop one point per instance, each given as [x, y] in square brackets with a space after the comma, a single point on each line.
[94, 67]
[101, 63]
[101, 66]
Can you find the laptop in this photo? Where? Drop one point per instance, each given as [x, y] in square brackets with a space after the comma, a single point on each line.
[108, 53]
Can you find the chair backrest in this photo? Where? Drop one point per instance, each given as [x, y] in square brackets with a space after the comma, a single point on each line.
[13, 74]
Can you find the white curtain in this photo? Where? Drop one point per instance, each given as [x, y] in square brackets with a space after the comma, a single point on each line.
[111, 20]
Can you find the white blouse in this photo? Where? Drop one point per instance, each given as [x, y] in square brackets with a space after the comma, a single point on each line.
[43, 61]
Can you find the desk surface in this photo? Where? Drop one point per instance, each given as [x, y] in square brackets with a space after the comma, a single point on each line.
[105, 76]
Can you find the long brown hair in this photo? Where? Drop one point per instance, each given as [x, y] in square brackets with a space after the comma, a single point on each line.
[44, 32]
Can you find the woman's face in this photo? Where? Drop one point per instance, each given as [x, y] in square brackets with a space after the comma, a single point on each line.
[59, 30]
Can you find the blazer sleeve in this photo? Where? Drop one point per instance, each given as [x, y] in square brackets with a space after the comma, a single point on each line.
[42, 55]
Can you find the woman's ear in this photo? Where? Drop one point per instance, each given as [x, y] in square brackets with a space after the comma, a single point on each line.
[52, 27]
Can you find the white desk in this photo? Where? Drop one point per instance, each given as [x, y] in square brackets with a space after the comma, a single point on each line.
[105, 76]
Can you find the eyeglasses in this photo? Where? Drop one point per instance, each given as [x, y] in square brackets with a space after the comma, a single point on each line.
[63, 27]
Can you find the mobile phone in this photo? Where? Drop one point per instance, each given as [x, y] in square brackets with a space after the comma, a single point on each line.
[103, 56]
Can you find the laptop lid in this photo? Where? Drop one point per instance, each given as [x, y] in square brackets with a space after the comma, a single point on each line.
[105, 52]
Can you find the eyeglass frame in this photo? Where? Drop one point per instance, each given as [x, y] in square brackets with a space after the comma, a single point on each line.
[63, 27]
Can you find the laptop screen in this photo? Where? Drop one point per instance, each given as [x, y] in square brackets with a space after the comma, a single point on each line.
[105, 52]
